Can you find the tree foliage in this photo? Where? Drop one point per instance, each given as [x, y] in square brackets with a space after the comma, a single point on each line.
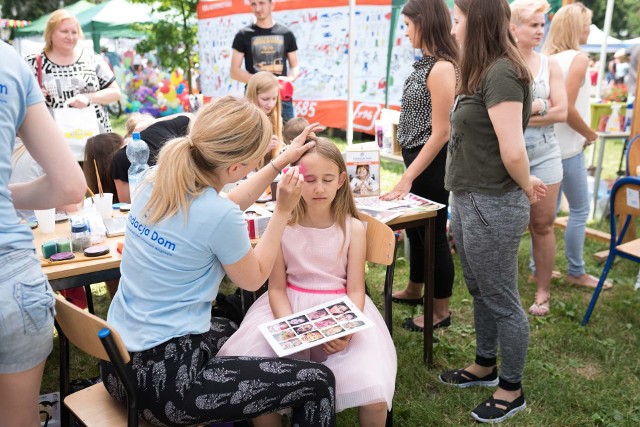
[30, 9]
[626, 17]
[174, 36]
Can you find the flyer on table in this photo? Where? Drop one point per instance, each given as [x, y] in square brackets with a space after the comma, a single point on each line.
[315, 326]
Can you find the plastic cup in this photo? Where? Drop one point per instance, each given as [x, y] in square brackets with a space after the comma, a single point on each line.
[103, 204]
[46, 220]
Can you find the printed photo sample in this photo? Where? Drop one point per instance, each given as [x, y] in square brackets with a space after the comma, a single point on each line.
[278, 327]
[284, 335]
[332, 330]
[346, 317]
[298, 320]
[291, 344]
[318, 314]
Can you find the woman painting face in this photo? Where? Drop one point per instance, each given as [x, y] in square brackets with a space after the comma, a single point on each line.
[459, 28]
[65, 36]
[267, 100]
[412, 33]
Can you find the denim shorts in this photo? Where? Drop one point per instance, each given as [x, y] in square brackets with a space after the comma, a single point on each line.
[26, 313]
[543, 150]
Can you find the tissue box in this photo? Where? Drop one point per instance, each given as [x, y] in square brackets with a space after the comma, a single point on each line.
[257, 219]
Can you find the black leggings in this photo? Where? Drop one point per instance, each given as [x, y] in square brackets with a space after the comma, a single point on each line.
[430, 184]
[182, 382]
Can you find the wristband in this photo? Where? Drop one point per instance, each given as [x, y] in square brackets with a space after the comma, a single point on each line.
[274, 166]
[543, 111]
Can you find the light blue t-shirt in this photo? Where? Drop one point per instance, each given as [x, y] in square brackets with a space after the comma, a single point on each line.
[18, 90]
[171, 270]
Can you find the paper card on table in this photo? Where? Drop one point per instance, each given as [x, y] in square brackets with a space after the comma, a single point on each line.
[633, 198]
[317, 325]
[381, 215]
[411, 201]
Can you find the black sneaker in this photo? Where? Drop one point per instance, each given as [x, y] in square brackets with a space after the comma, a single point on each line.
[463, 379]
[489, 412]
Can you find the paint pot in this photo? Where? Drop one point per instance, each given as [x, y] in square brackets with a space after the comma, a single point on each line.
[94, 251]
[49, 248]
[62, 256]
[63, 245]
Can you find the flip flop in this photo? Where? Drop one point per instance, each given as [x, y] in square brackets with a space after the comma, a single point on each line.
[408, 301]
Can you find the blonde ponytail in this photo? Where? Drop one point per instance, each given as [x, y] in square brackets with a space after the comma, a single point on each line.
[225, 132]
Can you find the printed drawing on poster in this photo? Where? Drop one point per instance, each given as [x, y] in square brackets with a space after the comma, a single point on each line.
[314, 326]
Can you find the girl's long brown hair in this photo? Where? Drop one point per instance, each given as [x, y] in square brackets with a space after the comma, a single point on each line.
[487, 39]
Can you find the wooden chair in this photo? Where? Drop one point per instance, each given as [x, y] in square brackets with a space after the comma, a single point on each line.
[633, 155]
[381, 249]
[624, 202]
[93, 406]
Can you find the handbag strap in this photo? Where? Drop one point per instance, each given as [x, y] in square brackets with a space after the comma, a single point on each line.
[39, 70]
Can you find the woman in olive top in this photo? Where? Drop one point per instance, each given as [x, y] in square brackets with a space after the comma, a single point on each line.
[488, 175]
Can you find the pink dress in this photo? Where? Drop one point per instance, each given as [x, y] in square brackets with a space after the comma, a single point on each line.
[316, 259]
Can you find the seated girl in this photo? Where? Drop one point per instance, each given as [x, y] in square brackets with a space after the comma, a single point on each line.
[326, 220]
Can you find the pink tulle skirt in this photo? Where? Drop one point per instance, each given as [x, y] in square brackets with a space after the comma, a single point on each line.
[365, 371]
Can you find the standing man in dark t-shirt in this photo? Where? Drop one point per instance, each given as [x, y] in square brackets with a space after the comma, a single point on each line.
[266, 46]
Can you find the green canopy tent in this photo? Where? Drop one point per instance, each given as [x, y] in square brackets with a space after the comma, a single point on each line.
[37, 27]
[112, 19]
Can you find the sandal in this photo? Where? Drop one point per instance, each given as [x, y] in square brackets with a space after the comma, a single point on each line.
[408, 301]
[496, 410]
[463, 378]
[539, 308]
[555, 275]
[410, 325]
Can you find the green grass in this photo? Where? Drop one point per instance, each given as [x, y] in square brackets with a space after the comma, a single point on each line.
[574, 376]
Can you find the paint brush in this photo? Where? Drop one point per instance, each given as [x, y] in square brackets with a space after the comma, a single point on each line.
[98, 178]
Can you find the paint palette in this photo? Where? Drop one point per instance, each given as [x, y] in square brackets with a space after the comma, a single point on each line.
[94, 251]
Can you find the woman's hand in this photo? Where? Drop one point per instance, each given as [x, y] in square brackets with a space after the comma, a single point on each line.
[297, 148]
[336, 345]
[79, 101]
[274, 142]
[536, 190]
[400, 191]
[289, 190]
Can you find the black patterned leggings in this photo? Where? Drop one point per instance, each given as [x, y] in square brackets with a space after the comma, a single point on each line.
[181, 382]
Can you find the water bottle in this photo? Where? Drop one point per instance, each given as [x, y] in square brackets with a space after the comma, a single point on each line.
[613, 122]
[138, 154]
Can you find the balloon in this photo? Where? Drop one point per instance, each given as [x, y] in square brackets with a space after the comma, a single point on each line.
[180, 88]
[135, 106]
[176, 77]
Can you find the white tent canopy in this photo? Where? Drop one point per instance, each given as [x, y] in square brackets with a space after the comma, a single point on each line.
[597, 38]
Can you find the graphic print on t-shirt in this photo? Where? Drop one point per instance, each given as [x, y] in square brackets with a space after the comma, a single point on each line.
[268, 53]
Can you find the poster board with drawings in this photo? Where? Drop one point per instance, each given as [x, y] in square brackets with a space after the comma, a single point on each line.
[314, 326]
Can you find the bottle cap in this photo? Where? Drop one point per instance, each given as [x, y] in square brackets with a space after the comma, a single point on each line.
[78, 228]
[135, 136]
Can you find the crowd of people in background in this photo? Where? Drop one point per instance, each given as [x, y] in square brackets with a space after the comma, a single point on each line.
[493, 125]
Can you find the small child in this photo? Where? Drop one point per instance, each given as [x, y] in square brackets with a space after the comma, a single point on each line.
[322, 255]
[263, 90]
[293, 128]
